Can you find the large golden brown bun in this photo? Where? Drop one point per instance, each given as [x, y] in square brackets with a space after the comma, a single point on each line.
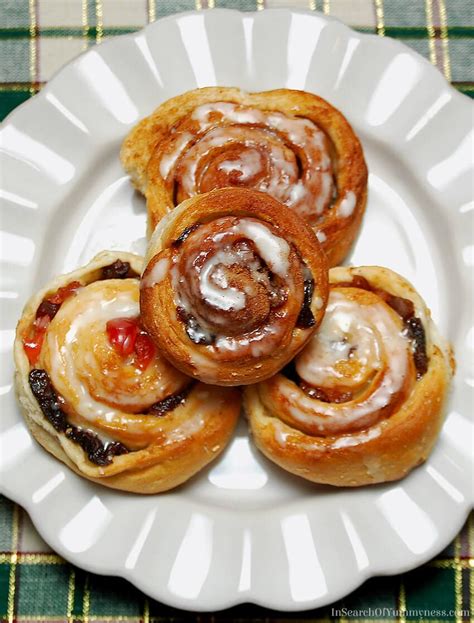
[400, 436]
[175, 443]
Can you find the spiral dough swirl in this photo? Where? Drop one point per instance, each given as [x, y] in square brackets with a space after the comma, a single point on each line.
[363, 401]
[236, 289]
[292, 145]
[98, 395]
[232, 145]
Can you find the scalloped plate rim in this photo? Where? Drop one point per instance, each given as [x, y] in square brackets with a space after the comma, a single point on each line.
[173, 17]
[98, 567]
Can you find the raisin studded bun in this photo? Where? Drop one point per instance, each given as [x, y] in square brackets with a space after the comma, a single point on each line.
[96, 392]
[363, 403]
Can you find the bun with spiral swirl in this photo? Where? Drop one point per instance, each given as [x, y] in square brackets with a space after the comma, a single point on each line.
[290, 144]
[96, 393]
[234, 286]
[363, 402]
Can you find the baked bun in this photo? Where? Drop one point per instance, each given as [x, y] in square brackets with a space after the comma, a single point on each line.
[96, 393]
[363, 402]
[235, 284]
[291, 144]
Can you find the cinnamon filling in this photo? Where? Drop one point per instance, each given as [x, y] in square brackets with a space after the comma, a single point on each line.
[326, 395]
[230, 289]
[194, 331]
[235, 282]
[276, 297]
[222, 144]
[189, 230]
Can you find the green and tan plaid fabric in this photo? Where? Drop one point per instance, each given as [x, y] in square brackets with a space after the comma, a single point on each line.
[37, 585]
[36, 38]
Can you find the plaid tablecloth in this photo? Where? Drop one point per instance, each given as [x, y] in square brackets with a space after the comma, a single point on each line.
[36, 38]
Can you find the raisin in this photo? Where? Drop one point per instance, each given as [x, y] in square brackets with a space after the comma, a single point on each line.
[50, 405]
[169, 403]
[290, 372]
[404, 307]
[416, 333]
[48, 401]
[306, 318]
[97, 452]
[195, 332]
[117, 270]
[182, 314]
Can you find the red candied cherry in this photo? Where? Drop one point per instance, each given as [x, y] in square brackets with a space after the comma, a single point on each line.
[144, 350]
[122, 333]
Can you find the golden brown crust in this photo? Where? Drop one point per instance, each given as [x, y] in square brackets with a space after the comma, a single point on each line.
[158, 304]
[141, 154]
[383, 452]
[158, 466]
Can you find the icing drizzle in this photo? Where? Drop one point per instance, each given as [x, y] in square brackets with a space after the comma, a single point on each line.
[226, 144]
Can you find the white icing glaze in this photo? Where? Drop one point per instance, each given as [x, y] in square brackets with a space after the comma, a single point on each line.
[258, 342]
[318, 302]
[299, 131]
[187, 428]
[321, 236]
[248, 164]
[214, 287]
[349, 441]
[156, 274]
[297, 193]
[283, 433]
[325, 192]
[90, 387]
[347, 205]
[272, 249]
[371, 335]
[271, 143]
[169, 160]
[230, 111]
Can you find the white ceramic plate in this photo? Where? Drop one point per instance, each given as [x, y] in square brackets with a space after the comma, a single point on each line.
[243, 530]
